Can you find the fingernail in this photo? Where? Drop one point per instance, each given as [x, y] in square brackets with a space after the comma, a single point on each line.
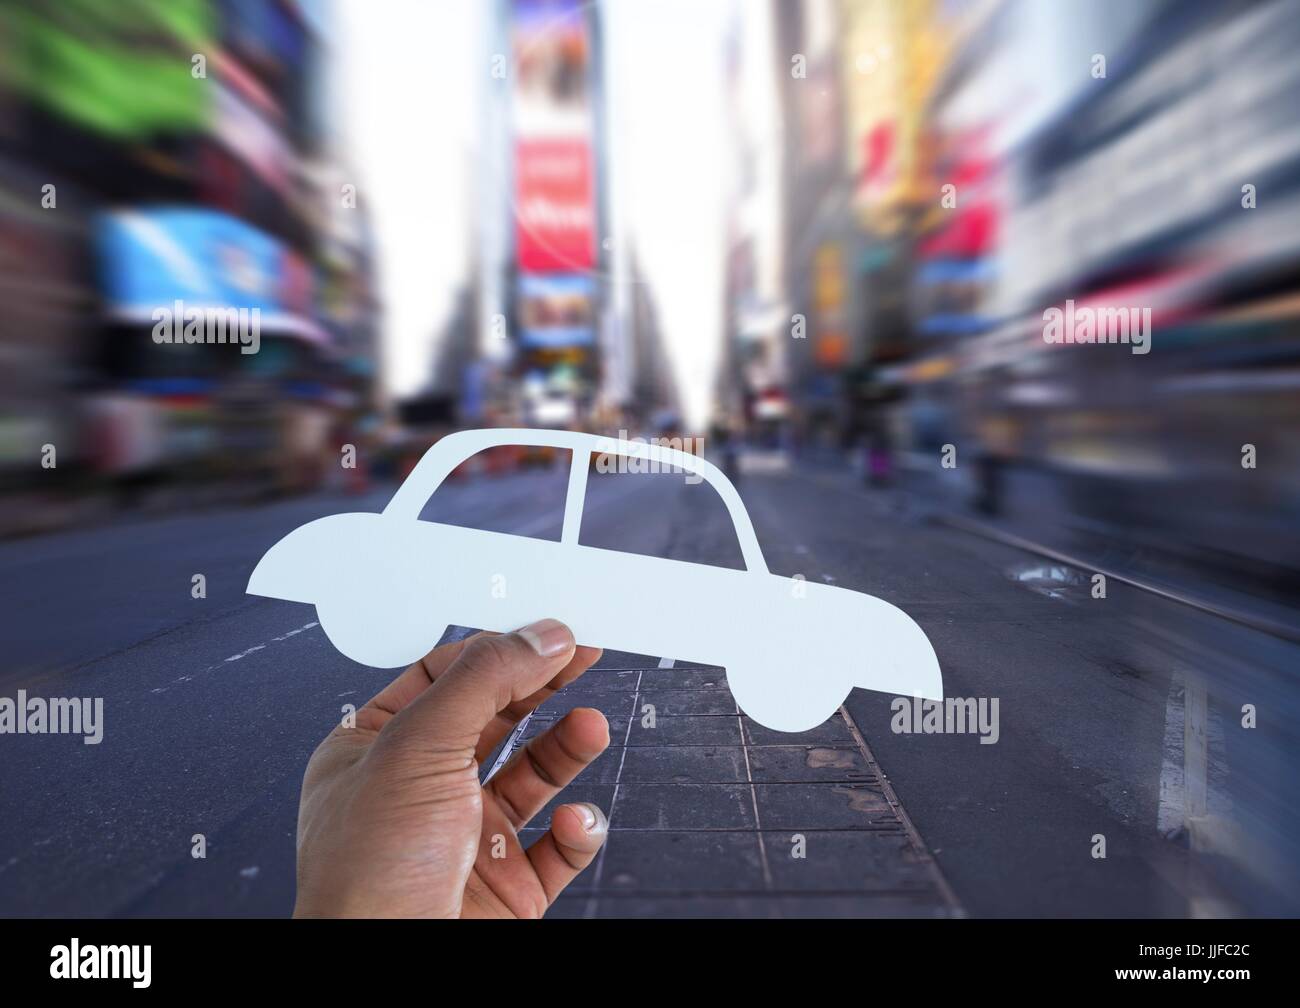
[548, 637]
[592, 817]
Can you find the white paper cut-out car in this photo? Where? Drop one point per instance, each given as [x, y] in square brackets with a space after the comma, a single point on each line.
[386, 585]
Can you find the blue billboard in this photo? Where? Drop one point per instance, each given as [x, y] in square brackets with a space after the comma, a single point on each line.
[206, 259]
[556, 310]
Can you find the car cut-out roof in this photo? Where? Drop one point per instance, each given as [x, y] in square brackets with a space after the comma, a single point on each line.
[452, 450]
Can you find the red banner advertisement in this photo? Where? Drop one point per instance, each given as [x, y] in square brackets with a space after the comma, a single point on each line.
[555, 203]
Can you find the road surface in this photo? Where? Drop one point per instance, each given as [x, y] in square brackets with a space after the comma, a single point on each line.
[213, 705]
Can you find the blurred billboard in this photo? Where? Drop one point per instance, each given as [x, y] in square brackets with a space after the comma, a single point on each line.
[555, 201]
[556, 309]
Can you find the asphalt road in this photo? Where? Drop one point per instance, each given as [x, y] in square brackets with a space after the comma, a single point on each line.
[213, 705]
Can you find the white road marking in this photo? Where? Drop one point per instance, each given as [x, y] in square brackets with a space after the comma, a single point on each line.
[273, 640]
[666, 662]
[599, 868]
[293, 633]
[1208, 794]
[244, 654]
[1169, 816]
[540, 524]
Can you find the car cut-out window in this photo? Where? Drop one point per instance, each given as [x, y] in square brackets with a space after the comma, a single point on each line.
[518, 489]
[635, 506]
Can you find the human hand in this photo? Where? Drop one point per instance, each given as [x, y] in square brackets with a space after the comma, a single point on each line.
[393, 821]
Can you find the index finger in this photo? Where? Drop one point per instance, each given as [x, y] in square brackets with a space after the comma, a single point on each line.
[413, 681]
[505, 720]
[386, 704]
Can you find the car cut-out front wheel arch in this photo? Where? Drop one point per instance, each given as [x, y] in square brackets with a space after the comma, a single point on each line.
[390, 642]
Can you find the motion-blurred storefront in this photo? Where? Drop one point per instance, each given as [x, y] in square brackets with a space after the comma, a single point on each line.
[1155, 187]
[164, 152]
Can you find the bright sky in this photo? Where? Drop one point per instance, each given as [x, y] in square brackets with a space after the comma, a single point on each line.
[409, 90]
[665, 65]
[411, 80]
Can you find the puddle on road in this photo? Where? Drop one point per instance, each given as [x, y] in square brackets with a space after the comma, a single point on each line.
[1053, 580]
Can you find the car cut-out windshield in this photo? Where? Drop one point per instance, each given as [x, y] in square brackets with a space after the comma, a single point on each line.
[517, 489]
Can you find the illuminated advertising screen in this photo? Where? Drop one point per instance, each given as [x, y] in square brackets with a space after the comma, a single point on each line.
[555, 310]
[554, 205]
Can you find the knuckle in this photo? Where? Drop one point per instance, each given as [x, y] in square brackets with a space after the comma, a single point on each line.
[489, 654]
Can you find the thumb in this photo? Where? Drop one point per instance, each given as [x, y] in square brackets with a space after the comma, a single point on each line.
[488, 675]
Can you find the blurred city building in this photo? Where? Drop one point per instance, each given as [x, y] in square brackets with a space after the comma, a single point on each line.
[1163, 186]
[554, 289]
[753, 379]
[947, 173]
[912, 196]
[166, 151]
[913, 185]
